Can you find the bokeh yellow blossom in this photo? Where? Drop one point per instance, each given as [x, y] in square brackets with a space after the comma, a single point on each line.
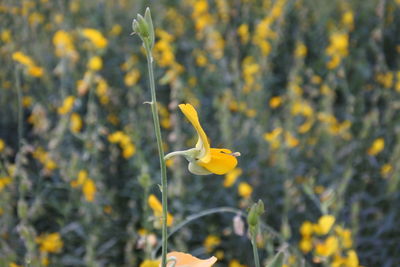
[51, 243]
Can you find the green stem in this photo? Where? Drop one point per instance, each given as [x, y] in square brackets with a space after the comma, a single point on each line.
[164, 192]
[255, 250]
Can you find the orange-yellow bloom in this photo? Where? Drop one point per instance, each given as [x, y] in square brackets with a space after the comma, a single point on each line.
[183, 259]
[203, 159]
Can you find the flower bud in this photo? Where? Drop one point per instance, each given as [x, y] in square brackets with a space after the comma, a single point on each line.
[252, 217]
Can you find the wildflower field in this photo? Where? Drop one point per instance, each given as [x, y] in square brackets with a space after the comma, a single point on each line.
[279, 141]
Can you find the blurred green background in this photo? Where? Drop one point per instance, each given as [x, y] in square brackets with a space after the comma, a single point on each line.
[308, 91]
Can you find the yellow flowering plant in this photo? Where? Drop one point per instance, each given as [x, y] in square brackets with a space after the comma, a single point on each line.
[203, 159]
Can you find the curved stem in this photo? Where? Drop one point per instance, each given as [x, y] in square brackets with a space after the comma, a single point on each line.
[204, 213]
[164, 192]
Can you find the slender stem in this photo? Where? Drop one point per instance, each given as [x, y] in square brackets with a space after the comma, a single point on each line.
[157, 129]
[255, 250]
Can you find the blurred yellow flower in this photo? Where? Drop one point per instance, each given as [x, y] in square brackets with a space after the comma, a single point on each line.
[150, 263]
[243, 31]
[305, 244]
[31, 68]
[204, 160]
[156, 206]
[95, 63]
[386, 169]
[245, 190]
[89, 190]
[211, 242]
[5, 36]
[231, 177]
[12, 264]
[324, 224]
[75, 124]
[128, 148]
[352, 259]
[275, 102]
[23, 59]
[4, 181]
[348, 19]
[95, 37]
[377, 146]
[50, 243]
[306, 229]
[87, 184]
[300, 50]
[132, 77]
[116, 30]
[291, 141]
[328, 247]
[67, 105]
[64, 45]
[273, 137]
[2, 145]
[27, 101]
[235, 263]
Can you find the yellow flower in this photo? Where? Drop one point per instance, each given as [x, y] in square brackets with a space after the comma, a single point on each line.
[235, 263]
[28, 62]
[150, 263]
[290, 140]
[203, 159]
[306, 229]
[67, 106]
[35, 71]
[183, 259]
[50, 243]
[95, 37]
[89, 190]
[64, 45]
[231, 177]
[245, 190]
[352, 259]
[386, 169]
[243, 31]
[211, 242]
[300, 51]
[23, 59]
[273, 137]
[12, 264]
[305, 244]
[275, 102]
[95, 63]
[324, 225]
[2, 145]
[26, 101]
[377, 146]
[75, 124]
[128, 150]
[4, 181]
[156, 206]
[132, 77]
[328, 247]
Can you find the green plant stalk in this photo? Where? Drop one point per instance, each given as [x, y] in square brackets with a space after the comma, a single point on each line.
[164, 192]
[255, 250]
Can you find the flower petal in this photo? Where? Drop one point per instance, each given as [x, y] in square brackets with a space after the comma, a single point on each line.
[202, 144]
[221, 161]
[184, 259]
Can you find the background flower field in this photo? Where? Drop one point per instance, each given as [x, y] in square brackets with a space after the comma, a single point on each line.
[308, 92]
